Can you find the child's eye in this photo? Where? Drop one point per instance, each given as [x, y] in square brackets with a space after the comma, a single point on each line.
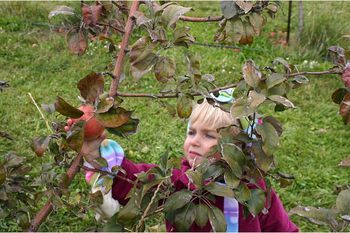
[190, 132]
[210, 136]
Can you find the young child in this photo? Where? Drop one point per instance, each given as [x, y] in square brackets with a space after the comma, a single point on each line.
[201, 136]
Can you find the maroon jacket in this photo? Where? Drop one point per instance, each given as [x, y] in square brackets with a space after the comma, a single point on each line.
[276, 220]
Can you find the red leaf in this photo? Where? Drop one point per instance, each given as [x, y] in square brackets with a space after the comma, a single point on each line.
[346, 75]
[92, 14]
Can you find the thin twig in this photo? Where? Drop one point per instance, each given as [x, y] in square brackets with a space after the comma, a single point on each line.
[109, 25]
[314, 73]
[149, 95]
[42, 115]
[149, 206]
[201, 19]
[107, 173]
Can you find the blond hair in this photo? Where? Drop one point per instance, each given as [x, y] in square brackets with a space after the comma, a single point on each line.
[210, 115]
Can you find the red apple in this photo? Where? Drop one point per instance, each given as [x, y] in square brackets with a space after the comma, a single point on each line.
[93, 128]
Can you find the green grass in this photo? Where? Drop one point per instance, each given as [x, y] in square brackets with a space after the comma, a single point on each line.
[36, 60]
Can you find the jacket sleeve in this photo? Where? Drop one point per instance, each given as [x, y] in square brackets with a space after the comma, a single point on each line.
[122, 184]
[277, 219]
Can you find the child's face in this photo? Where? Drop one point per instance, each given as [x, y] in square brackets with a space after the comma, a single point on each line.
[200, 139]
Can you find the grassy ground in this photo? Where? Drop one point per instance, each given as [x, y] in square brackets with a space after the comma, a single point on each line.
[34, 59]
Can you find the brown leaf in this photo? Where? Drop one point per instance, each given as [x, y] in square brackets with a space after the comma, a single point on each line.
[40, 145]
[164, 69]
[91, 86]
[251, 74]
[246, 6]
[184, 106]
[77, 42]
[257, 21]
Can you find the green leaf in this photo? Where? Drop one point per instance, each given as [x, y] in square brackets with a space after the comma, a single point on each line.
[281, 100]
[319, 216]
[276, 124]
[280, 89]
[115, 117]
[231, 180]
[182, 37]
[195, 177]
[269, 136]
[243, 193]
[91, 86]
[229, 9]
[164, 69]
[66, 109]
[274, 79]
[185, 217]
[202, 213]
[251, 74]
[217, 220]
[283, 62]
[129, 214]
[339, 95]
[177, 200]
[126, 129]
[213, 171]
[343, 202]
[164, 161]
[256, 202]
[40, 145]
[264, 161]
[23, 220]
[234, 157]
[241, 108]
[219, 189]
[112, 225]
[184, 106]
[172, 13]
[234, 30]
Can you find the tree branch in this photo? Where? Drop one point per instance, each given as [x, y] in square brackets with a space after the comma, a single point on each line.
[74, 167]
[48, 207]
[121, 54]
[203, 19]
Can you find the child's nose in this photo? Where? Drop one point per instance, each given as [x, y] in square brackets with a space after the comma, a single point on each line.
[195, 140]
